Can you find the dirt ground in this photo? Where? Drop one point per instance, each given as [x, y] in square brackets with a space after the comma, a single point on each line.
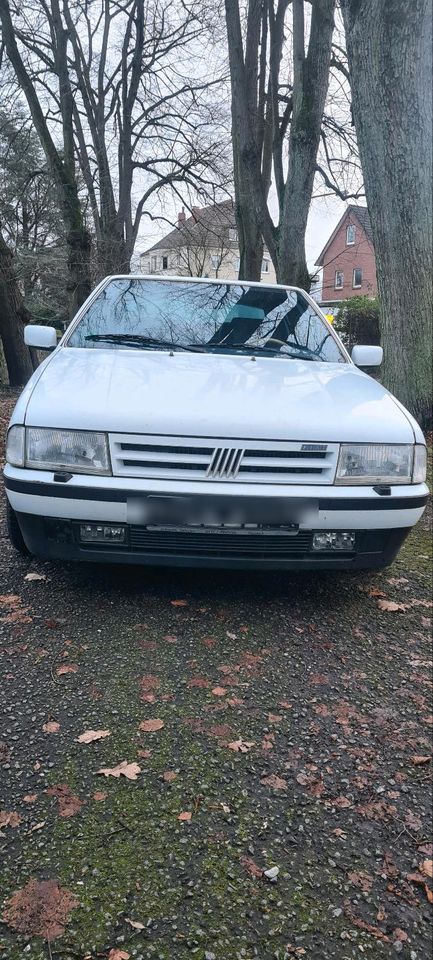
[275, 732]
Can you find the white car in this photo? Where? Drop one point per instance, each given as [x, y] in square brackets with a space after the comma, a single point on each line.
[209, 423]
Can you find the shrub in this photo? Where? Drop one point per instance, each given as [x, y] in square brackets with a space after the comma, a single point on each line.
[357, 321]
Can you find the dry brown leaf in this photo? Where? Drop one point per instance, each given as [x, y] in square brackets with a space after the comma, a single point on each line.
[9, 819]
[248, 864]
[274, 718]
[185, 816]
[179, 603]
[99, 795]
[69, 804]
[169, 776]
[343, 803]
[40, 909]
[30, 798]
[277, 783]
[391, 606]
[419, 761]
[89, 736]
[66, 668]
[51, 726]
[427, 867]
[219, 691]
[361, 879]
[151, 726]
[123, 769]
[116, 954]
[241, 746]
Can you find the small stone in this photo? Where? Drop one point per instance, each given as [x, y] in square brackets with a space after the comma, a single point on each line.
[208, 955]
[337, 912]
[272, 873]
[398, 946]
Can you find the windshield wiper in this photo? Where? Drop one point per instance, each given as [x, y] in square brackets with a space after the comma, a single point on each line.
[137, 340]
[302, 352]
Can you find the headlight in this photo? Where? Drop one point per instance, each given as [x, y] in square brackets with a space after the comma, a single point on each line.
[375, 463]
[78, 451]
[15, 446]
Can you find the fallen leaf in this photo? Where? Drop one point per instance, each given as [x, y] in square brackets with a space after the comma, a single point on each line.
[99, 796]
[248, 864]
[391, 606]
[144, 753]
[30, 798]
[135, 924]
[413, 821]
[151, 726]
[241, 746]
[342, 803]
[89, 736]
[69, 804]
[35, 576]
[361, 879]
[40, 909]
[51, 726]
[427, 867]
[426, 848]
[186, 815]
[148, 683]
[116, 954]
[274, 718]
[169, 776]
[123, 769]
[9, 819]
[419, 761]
[277, 783]
[179, 603]
[199, 682]
[170, 639]
[400, 935]
[219, 691]
[66, 668]
[338, 832]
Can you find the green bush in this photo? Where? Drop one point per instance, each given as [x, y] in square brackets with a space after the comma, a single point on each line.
[357, 321]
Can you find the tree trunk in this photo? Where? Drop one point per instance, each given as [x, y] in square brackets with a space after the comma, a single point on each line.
[310, 86]
[389, 50]
[13, 316]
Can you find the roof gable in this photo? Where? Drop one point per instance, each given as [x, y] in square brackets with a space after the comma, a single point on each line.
[199, 228]
[351, 214]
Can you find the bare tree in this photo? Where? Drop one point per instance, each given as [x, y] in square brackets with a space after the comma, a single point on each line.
[61, 160]
[389, 49]
[13, 316]
[280, 128]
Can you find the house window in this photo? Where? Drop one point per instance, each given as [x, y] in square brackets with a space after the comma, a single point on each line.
[233, 233]
[154, 263]
[339, 280]
[237, 263]
[215, 261]
[350, 234]
[357, 277]
[265, 266]
[164, 263]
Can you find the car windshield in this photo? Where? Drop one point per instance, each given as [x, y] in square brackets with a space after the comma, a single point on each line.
[130, 313]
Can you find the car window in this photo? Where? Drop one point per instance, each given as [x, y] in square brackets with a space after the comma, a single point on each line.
[214, 317]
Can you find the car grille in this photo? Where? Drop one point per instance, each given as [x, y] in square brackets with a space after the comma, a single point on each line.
[219, 543]
[248, 461]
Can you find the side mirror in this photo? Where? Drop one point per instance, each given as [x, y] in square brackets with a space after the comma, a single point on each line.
[44, 338]
[367, 355]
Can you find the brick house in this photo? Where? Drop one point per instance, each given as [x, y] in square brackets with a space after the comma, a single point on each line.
[202, 245]
[347, 260]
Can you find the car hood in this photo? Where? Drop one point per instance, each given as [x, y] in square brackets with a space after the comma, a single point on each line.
[194, 394]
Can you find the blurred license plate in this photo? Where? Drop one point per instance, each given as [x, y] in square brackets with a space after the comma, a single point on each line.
[211, 511]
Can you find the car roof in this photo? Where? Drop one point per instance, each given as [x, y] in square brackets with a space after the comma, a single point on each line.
[215, 280]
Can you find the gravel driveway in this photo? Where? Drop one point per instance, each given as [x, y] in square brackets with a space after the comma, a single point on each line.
[273, 734]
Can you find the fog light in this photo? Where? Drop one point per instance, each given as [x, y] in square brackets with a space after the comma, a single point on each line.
[334, 540]
[101, 533]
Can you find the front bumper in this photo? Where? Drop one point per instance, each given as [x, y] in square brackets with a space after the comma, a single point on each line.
[49, 513]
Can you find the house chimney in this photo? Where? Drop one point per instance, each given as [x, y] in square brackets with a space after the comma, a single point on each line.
[181, 217]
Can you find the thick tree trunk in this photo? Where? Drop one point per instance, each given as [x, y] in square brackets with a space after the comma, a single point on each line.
[389, 49]
[310, 86]
[13, 316]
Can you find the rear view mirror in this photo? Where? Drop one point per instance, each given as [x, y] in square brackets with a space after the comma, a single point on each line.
[367, 355]
[43, 338]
